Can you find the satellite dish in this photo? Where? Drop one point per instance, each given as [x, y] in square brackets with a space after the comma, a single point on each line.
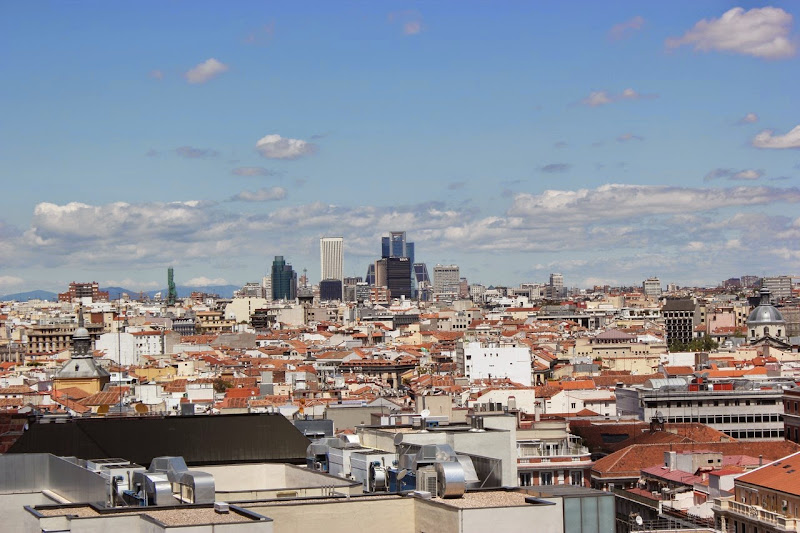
[425, 413]
[659, 417]
[639, 521]
[140, 408]
[102, 410]
[398, 439]
[401, 474]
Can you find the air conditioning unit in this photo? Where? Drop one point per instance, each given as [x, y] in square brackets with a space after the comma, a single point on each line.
[222, 507]
[426, 479]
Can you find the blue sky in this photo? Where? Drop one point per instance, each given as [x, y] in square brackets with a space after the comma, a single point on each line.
[610, 141]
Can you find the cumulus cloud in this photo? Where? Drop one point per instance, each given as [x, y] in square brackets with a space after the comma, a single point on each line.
[205, 71]
[750, 118]
[265, 194]
[615, 201]
[759, 32]
[253, 171]
[646, 225]
[195, 153]
[203, 281]
[626, 29]
[767, 139]
[600, 98]
[274, 146]
[156, 74]
[736, 175]
[555, 167]
[625, 137]
[410, 21]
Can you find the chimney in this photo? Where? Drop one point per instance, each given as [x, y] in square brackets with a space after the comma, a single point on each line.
[671, 460]
[760, 460]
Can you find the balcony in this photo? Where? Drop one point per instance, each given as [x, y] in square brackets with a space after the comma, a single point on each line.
[526, 451]
[755, 513]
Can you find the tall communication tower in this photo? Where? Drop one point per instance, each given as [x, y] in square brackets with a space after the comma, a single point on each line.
[172, 294]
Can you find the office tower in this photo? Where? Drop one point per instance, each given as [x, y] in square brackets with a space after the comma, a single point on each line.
[446, 282]
[556, 285]
[780, 287]
[266, 287]
[421, 273]
[172, 294]
[398, 276]
[370, 277]
[284, 280]
[396, 246]
[330, 290]
[380, 272]
[331, 258]
[652, 287]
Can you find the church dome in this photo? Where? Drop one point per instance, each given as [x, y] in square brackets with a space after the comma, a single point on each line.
[765, 313]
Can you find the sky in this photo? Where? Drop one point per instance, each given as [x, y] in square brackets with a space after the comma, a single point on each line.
[608, 141]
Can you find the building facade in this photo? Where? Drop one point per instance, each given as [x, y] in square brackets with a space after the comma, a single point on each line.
[284, 280]
[331, 258]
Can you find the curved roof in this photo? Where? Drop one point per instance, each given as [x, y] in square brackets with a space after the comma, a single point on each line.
[765, 313]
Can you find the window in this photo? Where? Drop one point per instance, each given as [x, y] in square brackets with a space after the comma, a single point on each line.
[576, 477]
[525, 479]
[545, 478]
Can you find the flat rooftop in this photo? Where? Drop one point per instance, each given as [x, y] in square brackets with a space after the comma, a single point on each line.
[171, 517]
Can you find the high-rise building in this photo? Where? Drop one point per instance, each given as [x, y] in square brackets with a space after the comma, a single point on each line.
[652, 287]
[284, 280]
[172, 294]
[330, 290]
[331, 258]
[556, 289]
[398, 276]
[396, 246]
[369, 279]
[680, 319]
[266, 285]
[446, 282]
[780, 287]
[78, 291]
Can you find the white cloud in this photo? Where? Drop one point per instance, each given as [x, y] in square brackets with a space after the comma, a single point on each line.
[735, 175]
[274, 146]
[206, 71]
[626, 29]
[599, 98]
[261, 195]
[203, 281]
[750, 118]
[156, 74]
[759, 32]
[744, 175]
[10, 281]
[614, 201]
[133, 284]
[766, 139]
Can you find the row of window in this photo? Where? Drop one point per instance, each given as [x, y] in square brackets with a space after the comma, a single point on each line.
[709, 403]
[726, 419]
[546, 478]
[755, 434]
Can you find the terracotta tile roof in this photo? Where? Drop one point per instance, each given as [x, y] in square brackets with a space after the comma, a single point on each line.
[782, 475]
[101, 398]
[17, 389]
[678, 370]
[629, 461]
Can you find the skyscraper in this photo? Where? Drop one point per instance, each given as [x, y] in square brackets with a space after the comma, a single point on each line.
[446, 282]
[556, 289]
[396, 246]
[284, 280]
[331, 258]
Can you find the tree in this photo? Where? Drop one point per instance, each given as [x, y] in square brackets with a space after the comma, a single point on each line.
[220, 385]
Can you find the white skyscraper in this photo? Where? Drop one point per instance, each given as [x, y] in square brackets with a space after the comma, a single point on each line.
[331, 258]
[446, 281]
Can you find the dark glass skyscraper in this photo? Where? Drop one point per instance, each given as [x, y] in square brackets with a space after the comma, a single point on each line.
[398, 276]
[284, 280]
[396, 246]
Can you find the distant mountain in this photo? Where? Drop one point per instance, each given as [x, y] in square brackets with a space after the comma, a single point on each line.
[224, 291]
[30, 295]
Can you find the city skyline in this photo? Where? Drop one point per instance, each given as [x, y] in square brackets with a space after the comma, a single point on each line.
[606, 142]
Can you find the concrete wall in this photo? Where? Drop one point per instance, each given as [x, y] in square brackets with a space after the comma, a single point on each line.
[14, 515]
[394, 515]
[545, 517]
[432, 517]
